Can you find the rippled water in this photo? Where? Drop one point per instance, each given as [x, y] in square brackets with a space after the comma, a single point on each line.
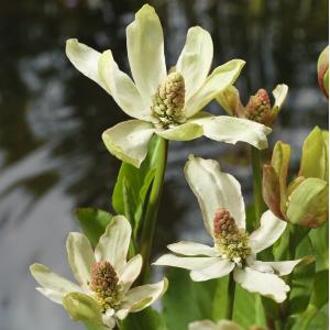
[51, 119]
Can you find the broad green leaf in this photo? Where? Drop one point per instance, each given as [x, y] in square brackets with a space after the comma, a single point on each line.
[314, 160]
[308, 203]
[186, 301]
[133, 184]
[93, 222]
[248, 309]
[148, 319]
[320, 242]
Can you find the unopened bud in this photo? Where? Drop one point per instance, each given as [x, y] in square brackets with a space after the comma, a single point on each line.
[259, 108]
[323, 71]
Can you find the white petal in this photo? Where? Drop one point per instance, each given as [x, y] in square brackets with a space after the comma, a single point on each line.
[269, 285]
[270, 230]
[80, 257]
[145, 47]
[280, 92]
[108, 319]
[209, 325]
[203, 325]
[122, 88]
[192, 249]
[221, 77]
[219, 269]
[84, 59]
[282, 268]
[143, 296]
[131, 271]
[183, 132]
[54, 286]
[214, 189]
[195, 59]
[232, 130]
[190, 263]
[114, 243]
[129, 140]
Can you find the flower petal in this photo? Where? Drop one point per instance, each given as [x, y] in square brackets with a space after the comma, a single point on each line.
[114, 243]
[131, 271]
[54, 286]
[190, 263]
[221, 77]
[122, 88]
[192, 249]
[195, 59]
[143, 296]
[145, 47]
[270, 230]
[231, 130]
[80, 257]
[129, 140]
[84, 59]
[203, 325]
[209, 325]
[184, 132]
[266, 284]
[82, 307]
[282, 268]
[214, 189]
[219, 269]
[280, 92]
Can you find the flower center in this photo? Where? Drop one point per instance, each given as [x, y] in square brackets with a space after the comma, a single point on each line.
[232, 242]
[168, 102]
[104, 282]
[259, 108]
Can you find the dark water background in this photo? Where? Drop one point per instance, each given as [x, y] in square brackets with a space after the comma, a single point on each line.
[51, 118]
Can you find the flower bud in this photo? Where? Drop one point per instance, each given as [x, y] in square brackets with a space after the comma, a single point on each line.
[323, 71]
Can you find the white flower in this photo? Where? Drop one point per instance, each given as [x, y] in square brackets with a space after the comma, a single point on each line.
[104, 294]
[220, 199]
[165, 103]
[209, 325]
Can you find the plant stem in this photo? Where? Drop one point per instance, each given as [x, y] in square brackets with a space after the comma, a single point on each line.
[230, 297]
[259, 205]
[149, 222]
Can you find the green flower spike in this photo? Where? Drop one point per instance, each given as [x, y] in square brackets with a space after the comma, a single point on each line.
[258, 109]
[103, 295]
[168, 104]
[304, 200]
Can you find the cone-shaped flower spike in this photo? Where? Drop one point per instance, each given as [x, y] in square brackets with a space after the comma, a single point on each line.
[165, 103]
[104, 294]
[303, 201]
[258, 109]
[234, 250]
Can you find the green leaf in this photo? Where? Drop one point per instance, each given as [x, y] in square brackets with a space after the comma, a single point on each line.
[148, 319]
[248, 309]
[93, 222]
[133, 184]
[319, 238]
[186, 301]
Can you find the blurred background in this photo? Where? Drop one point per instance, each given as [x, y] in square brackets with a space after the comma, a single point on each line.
[52, 159]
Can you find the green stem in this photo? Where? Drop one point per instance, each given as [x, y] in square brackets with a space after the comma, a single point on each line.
[259, 205]
[230, 297]
[149, 222]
